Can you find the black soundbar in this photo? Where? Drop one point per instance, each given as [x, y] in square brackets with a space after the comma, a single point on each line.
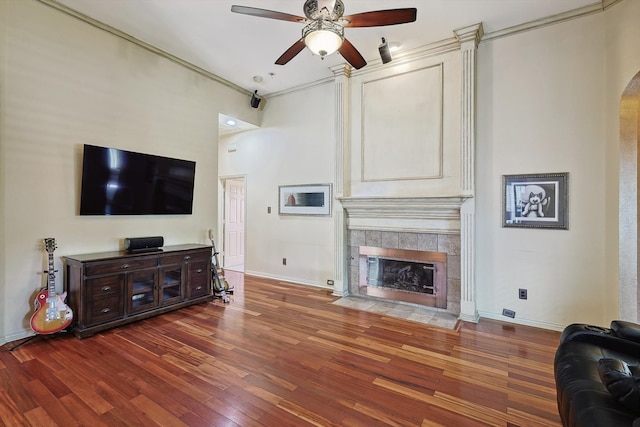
[143, 244]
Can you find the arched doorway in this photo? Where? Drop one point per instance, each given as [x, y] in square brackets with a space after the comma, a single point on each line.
[629, 246]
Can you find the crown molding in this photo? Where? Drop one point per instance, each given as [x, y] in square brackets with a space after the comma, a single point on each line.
[580, 12]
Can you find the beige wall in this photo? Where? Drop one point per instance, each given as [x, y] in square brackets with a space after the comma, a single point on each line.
[540, 109]
[549, 101]
[65, 83]
[293, 147]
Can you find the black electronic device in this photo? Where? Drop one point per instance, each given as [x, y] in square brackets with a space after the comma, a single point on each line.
[143, 244]
[120, 182]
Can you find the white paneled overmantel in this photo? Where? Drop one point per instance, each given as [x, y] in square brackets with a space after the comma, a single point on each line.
[406, 131]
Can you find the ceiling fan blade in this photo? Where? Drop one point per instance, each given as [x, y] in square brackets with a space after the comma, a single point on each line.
[351, 54]
[264, 13]
[379, 18]
[290, 53]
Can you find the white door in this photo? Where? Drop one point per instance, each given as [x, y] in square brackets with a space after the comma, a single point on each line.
[234, 224]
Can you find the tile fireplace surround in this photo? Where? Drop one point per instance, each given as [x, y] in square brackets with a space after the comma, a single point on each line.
[447, 243]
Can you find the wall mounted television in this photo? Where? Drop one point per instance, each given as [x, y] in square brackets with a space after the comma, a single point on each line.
[120, 182]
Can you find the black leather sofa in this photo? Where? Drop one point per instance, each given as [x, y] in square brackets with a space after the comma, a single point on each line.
[597, 374]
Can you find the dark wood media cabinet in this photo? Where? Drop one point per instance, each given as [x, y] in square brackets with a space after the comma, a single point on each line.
[111, 289]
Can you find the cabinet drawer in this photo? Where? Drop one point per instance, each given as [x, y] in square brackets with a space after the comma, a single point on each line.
[198, 288]
[105, 309]
[175, 259]
[201, 256]
[199, 271]
[199, 279]
[185, 257]
[105, 287]
[94, 269]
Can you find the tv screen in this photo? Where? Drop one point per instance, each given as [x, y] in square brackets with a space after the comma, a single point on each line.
[119, 182]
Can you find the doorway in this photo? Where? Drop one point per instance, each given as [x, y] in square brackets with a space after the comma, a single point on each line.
[629, 237]
[234, 224]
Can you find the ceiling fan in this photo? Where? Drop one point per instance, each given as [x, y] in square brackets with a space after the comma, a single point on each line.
[324, 27]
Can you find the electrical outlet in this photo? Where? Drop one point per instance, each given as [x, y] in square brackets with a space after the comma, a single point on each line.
[522, 293]
[268, 209]
[508, 313]
[284, 261]
[330, 282]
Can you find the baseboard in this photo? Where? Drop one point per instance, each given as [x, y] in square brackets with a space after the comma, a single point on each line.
[16, 336]
[520, 321]
[287, 279]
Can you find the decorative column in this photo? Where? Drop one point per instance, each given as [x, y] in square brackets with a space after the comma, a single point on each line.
[342, 74]
[469, 38]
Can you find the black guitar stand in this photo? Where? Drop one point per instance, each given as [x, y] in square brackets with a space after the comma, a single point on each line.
[25, 341]
[33, 338]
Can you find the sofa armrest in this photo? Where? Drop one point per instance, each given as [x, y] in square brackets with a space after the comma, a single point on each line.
[627, 330]
[575, 329]
[608, 341]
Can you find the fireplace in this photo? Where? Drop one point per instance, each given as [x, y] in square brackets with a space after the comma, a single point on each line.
[403, 275]
[441, 250]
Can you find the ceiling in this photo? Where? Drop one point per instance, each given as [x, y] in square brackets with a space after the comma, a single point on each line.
[238, 47]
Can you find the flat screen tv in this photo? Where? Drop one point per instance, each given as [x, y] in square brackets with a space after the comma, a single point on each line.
[119, 182]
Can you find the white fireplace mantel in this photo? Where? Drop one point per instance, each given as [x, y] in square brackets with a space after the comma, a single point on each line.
[409, 214]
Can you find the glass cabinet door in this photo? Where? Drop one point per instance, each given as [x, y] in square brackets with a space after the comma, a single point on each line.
[171, 285]
[142, 290]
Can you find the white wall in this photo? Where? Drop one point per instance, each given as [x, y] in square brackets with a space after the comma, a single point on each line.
[540, 109]
[294, 146]
[66, 83]
[549, 101]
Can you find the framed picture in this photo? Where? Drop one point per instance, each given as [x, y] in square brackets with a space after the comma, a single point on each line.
[535, 200]
[314, 199]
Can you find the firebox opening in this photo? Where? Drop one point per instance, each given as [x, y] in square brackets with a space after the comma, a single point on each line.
[398, 274]
[418, 277]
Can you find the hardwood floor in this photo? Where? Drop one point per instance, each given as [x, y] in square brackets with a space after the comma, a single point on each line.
[283, 355]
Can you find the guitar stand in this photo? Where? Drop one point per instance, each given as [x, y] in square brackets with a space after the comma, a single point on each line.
[34, 337]
[31, 338]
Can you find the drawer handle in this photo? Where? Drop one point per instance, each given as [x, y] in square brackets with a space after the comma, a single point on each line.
[105, 310]
[198, 288]
[199, 270]
[124, 266]
[187, 257]
[106, 288]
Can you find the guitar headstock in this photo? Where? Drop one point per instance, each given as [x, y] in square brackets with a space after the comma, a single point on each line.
[50, 244]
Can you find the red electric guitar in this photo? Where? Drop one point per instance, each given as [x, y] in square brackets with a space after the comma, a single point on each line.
[52, 314]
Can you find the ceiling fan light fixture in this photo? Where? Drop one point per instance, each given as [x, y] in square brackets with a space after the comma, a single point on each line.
[323, 37]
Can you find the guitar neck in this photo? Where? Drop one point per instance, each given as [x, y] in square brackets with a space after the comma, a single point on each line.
[51, 288]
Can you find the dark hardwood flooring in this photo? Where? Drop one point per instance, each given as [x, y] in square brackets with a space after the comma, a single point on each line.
[282, 355]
